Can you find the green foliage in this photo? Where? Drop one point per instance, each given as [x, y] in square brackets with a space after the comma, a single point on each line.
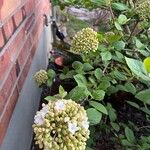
[115, 67]
[94, 116]
[137, 68]
[147, 64]
[99, 107]
[144, 96]
[119, 6]
[129, 135]
[51, 75]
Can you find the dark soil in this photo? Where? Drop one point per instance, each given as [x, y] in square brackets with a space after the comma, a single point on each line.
[105, 139]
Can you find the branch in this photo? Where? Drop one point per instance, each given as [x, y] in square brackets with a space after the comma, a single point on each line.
[133, 31]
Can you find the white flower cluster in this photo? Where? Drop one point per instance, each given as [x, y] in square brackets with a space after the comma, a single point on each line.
[61, 125]
[85, 41]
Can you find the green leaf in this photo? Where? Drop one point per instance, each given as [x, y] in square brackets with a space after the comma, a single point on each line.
[100, 2]
[119, 45]
[111, 113]
[112, 90]
[100, 37]
[94, 116]
[51, 73]
[78, 93]
[147, 64]
[129, 135]
[119, 75]
[139, 44]
[130, 88]
[49, 82]
[48, 98]
[122, 19]
[118, 27]
[87, 67]
[69, 74]
[126, 142]
[77, 65]
[133, 104]
[98, 73]
[99, 107]
[98, 95]
[104, 85]
[92, 80]
[81, 80]
[115, 126]
[137, 67]
[147, 111]
[144, 96]
[62, 92]
[121, 87]
[112, 37]
[106, 56]
[119, 55]
[119, 6]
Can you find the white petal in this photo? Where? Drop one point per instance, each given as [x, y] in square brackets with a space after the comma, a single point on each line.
[45, 109]
[59, 105]
[39, 119]
[85, 124]
[72, 127]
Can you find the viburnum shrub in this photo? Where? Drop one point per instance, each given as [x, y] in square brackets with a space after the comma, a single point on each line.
[61, 125]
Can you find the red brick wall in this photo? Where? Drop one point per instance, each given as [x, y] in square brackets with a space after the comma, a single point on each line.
[21, 23]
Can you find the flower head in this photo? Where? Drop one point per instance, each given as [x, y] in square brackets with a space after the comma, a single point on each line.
[41, 77]
[61, 124]
[85, 41]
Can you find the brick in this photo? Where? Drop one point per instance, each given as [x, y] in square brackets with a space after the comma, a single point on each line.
[2, 42]
[30, 22]
[29, 6]
[18, 17]
[24, 73]
[46, 7]
[4, 63]
[9, 28]
[36, 32]
[12, 51]
[7, 87]
[7, 7]
[24, 52]
[2, 102]
[5, 118]
[13, 73]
